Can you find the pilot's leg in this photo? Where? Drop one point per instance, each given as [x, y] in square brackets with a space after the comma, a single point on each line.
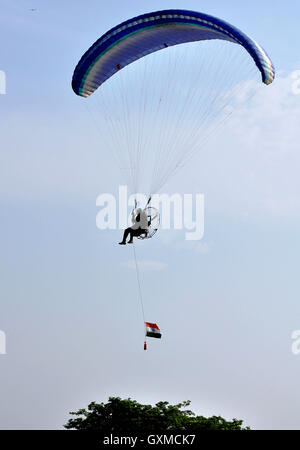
[126, 232]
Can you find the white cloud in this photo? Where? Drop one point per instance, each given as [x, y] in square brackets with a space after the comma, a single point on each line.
[200, 247]
[253, 163]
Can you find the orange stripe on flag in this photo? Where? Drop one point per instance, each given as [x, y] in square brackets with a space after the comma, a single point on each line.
[151, 325]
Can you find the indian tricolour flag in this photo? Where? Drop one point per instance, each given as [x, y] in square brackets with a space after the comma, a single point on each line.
[152, 330]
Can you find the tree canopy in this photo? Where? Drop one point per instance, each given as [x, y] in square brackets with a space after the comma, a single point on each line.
[128, 416]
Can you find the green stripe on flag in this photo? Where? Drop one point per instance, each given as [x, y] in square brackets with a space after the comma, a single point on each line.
[154, 335]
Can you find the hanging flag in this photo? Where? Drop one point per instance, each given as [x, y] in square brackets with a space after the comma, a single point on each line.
[152, 330]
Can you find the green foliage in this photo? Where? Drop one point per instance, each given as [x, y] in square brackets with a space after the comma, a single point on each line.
[128, 416]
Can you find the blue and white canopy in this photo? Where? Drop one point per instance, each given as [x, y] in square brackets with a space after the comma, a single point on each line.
[148, 33]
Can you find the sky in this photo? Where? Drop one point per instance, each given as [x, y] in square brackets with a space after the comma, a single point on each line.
[227, 305]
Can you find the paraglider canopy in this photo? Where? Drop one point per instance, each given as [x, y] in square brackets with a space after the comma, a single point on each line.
[154, 31]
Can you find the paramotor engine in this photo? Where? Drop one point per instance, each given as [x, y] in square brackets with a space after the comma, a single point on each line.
[153, 218]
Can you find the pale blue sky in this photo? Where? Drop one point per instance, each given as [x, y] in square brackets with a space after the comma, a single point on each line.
[69, 304]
